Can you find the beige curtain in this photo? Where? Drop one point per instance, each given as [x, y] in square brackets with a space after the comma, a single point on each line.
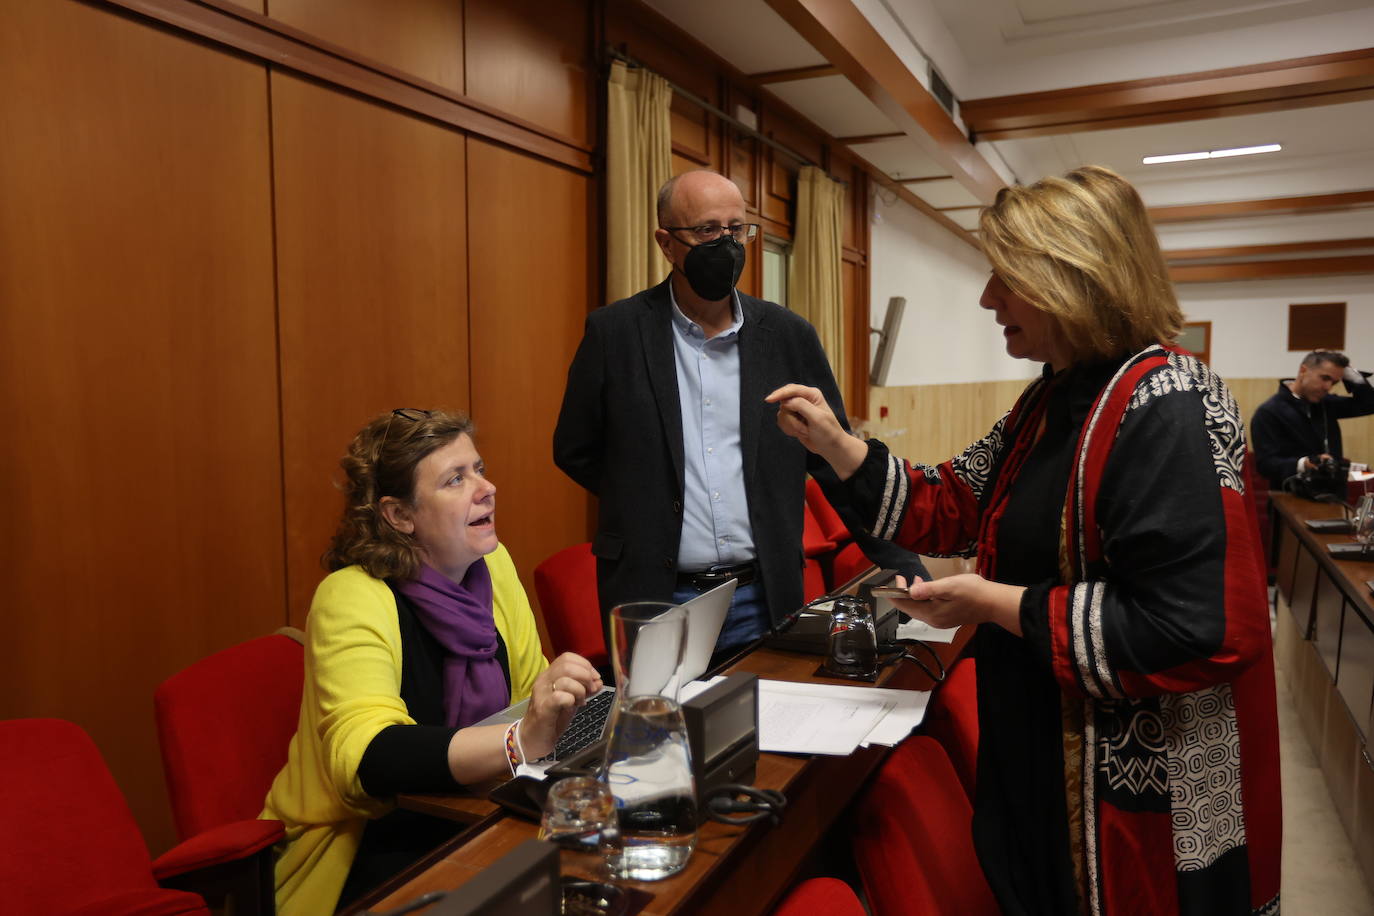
[638, 162]
[813, 283]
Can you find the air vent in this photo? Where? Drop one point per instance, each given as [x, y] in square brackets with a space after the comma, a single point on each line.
[940, 89]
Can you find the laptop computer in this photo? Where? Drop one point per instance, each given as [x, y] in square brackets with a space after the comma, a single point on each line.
[705, 616]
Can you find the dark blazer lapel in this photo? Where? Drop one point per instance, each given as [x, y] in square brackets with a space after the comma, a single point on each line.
[656, 333]
[754, 357]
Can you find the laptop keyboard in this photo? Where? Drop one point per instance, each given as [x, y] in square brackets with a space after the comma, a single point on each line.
[586, 725]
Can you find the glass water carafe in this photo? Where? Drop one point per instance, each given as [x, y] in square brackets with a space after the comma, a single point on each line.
[648, 764]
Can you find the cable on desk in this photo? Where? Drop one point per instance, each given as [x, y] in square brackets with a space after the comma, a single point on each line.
[724, 804]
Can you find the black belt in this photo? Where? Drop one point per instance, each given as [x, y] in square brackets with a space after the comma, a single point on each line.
[709, 578]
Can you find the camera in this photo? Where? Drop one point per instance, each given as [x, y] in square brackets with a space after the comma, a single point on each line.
[1321, 480]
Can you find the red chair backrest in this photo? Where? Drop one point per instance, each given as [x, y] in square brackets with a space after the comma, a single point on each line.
[225, 725]
[1258, 486]
[814, 541]
[566, 586]
[67, 838]
[831, 525]
[952, 719]
[913, 838]
[821, 897]
[849, 562]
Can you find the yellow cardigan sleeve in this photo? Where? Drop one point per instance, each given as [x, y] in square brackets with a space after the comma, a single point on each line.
[354, 645]
[515, 622]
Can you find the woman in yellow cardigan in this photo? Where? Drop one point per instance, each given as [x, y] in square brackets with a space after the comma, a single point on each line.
[421, 629]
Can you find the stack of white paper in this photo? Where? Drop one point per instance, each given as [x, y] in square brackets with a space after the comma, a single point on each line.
[834, 719]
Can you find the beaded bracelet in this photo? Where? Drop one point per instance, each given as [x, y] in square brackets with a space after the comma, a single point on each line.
[511, 756]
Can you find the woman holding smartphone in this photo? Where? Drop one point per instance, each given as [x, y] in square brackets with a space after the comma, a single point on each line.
[1128, 754]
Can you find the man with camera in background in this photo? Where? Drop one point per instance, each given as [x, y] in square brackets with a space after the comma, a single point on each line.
[1297, 432]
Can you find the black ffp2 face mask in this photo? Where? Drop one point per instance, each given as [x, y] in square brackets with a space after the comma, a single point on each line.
[713, 269]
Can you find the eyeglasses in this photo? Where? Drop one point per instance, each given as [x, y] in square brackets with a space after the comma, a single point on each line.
[742, 233]
[413, 414]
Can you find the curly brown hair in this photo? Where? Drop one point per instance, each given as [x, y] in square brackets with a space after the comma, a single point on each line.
[381, 462]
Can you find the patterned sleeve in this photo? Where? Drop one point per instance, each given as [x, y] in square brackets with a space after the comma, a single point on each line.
[1176, 600]
[930, 510]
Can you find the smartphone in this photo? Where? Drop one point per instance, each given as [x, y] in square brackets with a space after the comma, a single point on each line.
[523, 795]
[891, 591]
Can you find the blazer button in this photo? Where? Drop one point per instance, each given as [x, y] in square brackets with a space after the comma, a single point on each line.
[677, 507]
[668, 563]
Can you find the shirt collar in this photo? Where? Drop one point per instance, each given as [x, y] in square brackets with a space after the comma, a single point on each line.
[687, 325]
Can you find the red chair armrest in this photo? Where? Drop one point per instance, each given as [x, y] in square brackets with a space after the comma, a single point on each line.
[226, 843]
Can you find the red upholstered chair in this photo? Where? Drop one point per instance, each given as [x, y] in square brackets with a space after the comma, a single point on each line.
[913, 838]
[818, 550]
[848, 563]
[952, 719]
[566, 586]
[821, 897]
[68, 841]
[830, 523]
[224, 725]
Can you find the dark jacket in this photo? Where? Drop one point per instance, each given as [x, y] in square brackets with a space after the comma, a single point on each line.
[619, 435]
[1285, 428]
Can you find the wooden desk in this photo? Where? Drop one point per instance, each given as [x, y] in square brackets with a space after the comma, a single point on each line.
[1324, 640]
[735, 869]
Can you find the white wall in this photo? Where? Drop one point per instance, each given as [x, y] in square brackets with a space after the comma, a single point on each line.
[1250, 321]
[945, 337]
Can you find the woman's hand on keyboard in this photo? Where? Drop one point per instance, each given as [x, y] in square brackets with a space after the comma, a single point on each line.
[558, 691]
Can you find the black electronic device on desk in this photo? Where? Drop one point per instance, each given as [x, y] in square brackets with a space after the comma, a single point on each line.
[1331, 525]
[1351, 551]
[523, 882]
[723, 734]
[808, 630]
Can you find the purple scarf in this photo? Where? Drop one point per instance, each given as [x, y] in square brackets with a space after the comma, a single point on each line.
[459, 616]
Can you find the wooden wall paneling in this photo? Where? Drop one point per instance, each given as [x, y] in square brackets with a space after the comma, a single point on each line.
[743, 152]
[1356, 681]
[531, 285]
[1338, 755]
[1362, 840]
[1305, 574]
[420, 37]
[530, 58]
[1328, 607]
[932, 423]
[143, 524]
[371, 231]
[1288, 555]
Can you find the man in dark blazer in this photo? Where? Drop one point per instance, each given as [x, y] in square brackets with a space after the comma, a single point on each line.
[664, 420]
[1299, 428]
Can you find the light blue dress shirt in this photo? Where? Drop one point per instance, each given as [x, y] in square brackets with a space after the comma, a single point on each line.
[715, 510]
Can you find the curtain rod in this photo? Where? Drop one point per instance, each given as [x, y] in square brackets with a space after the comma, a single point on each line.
[728, 119]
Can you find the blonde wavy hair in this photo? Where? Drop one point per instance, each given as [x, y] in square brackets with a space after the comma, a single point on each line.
[380, 462]
[1082, 248]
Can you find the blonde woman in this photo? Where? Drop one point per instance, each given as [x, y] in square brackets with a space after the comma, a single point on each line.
[1128, 741]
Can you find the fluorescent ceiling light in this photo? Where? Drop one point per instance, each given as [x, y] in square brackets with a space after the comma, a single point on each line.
[1213, 154]
[1244, 151]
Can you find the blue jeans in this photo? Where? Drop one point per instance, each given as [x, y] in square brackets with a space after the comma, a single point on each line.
[746, 620]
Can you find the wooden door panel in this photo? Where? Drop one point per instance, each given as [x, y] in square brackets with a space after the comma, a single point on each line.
[137, 372]
[371, 235]
[531, 286]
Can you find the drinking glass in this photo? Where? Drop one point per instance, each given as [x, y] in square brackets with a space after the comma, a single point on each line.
[1364, 521]
[579, 815]
[648, 765]
[853, 647]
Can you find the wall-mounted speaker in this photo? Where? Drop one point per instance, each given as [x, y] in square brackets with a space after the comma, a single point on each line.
[887, 340]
